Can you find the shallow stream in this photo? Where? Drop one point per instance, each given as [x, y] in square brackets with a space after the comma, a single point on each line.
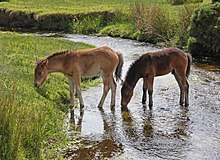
[168, 131]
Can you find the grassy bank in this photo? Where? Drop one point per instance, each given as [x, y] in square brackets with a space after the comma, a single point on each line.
[142, 20]
[85, 17]
[31, 119]
[45, 7]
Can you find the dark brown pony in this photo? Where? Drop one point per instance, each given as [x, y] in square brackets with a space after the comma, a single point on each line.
[83, 63]
[157, 64]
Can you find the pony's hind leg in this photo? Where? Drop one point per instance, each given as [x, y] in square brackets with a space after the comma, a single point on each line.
[150, 90]
[113, 91]
[184, 88]
[181, 89]
[144, 96]
[187, 93]
[71, 87]
[106, 83]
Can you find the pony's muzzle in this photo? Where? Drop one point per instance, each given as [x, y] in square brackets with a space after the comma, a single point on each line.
[124, 109]
[123, 105]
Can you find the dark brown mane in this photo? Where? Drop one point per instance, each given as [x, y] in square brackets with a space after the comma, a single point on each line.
[134, 70]
[57, 54]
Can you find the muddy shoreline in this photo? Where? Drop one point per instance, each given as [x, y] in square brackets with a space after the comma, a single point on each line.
[22, 21]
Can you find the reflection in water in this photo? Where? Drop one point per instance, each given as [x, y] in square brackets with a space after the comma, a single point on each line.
[182, 123]
[129, 125]
[75, 122]
[148, 129]
[87, 149]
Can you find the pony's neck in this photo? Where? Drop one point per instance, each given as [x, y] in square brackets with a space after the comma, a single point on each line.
[55, 64]
[133, 74]
[132, 83]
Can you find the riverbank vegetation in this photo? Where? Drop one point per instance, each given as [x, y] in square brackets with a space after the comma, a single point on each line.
[31, 120]
[204, 31]
[164, 22]
[153, 22]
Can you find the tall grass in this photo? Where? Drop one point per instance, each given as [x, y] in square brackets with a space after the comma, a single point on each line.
[92, 23]
[163, 22]
[154, 21]
[31, 120]
[184, 17]
[22, 126]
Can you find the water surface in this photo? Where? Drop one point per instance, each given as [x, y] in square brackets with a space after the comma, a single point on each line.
[168, 131]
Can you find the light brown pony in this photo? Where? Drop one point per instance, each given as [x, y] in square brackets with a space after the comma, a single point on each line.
[157, 64]
[83, 63]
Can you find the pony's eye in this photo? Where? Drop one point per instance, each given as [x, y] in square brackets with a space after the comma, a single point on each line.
[39, 73]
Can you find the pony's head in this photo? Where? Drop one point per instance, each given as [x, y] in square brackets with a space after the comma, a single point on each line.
[126, 94]
[40, 72]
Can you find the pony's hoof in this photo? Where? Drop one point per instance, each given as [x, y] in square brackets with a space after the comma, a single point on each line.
[112, 105]
[113, 109]
[124, 109]
[181, 103]
[99, 106]
[81, 105]
[186, 104]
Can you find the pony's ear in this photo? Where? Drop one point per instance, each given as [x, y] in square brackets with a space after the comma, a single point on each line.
[44, 63]
[37, 61]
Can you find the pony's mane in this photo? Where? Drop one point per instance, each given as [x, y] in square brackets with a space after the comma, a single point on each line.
[134, 70]
[58, 54]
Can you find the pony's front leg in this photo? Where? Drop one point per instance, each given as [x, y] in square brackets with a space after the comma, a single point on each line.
[72, 93]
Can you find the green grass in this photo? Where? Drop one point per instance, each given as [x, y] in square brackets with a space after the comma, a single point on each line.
[73, 6]
[31, 120]
[57, 15]
[42, 7]
[66, 6]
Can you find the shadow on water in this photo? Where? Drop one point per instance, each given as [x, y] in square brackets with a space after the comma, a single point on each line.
[168, 131]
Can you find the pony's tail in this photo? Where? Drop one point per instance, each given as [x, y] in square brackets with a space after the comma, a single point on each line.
[118, 70]
[189, 64]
